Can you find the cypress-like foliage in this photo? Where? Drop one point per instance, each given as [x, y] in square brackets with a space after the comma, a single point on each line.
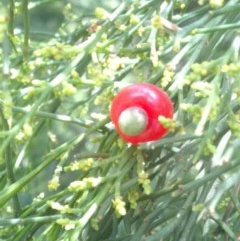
[65, 173]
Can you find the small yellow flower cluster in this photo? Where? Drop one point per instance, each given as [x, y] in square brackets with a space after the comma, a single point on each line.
[224, 203]
[119, 206]
[78, 80]
[101, 13]
[198, 207]
[7, 104]
[38, 83]
[105, 97]
[157, 22]
[167, 123]
[145, 182]
[37, 63]
[181, 4]
[209, 148]
[85, 184]
[115, 63]
[59, 207]
[200, 71]
[25, 133]
[202, 88]
[234, 124]
[17, 75]
[65, 89]
[194, 110]
[67, 223]
[133, 196]
[134, 19]
[67, 11]
[216, 3]
[96, 75]
[168, 75]
[53, 184]
[120, 25]
[232, 69]
[30, 92]
[57, 51]
[84, 165]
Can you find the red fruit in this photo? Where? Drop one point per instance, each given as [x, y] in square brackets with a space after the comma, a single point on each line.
[135, 111]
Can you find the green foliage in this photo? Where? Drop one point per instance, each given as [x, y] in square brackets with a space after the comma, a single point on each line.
[65, 173]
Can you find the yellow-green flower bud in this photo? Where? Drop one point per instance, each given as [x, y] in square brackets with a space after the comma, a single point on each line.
[157, 22]
[101, 13]
[216, 3]
[119, 206]
[134, 19]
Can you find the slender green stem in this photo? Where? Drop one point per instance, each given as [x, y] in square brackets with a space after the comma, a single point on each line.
[171, 226]
[223, 27]
[89, 213]
[9, 192]
[93, 155]
[224, 226]
[9, 168]
[14, 130]
[190, 226]
[7, 152]
[26, 28]
[227, 9]
[47, 115]
[23, 221]
[35, 4]
[86, 46]
[6, 49]
[11, 17]
[202, 181]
